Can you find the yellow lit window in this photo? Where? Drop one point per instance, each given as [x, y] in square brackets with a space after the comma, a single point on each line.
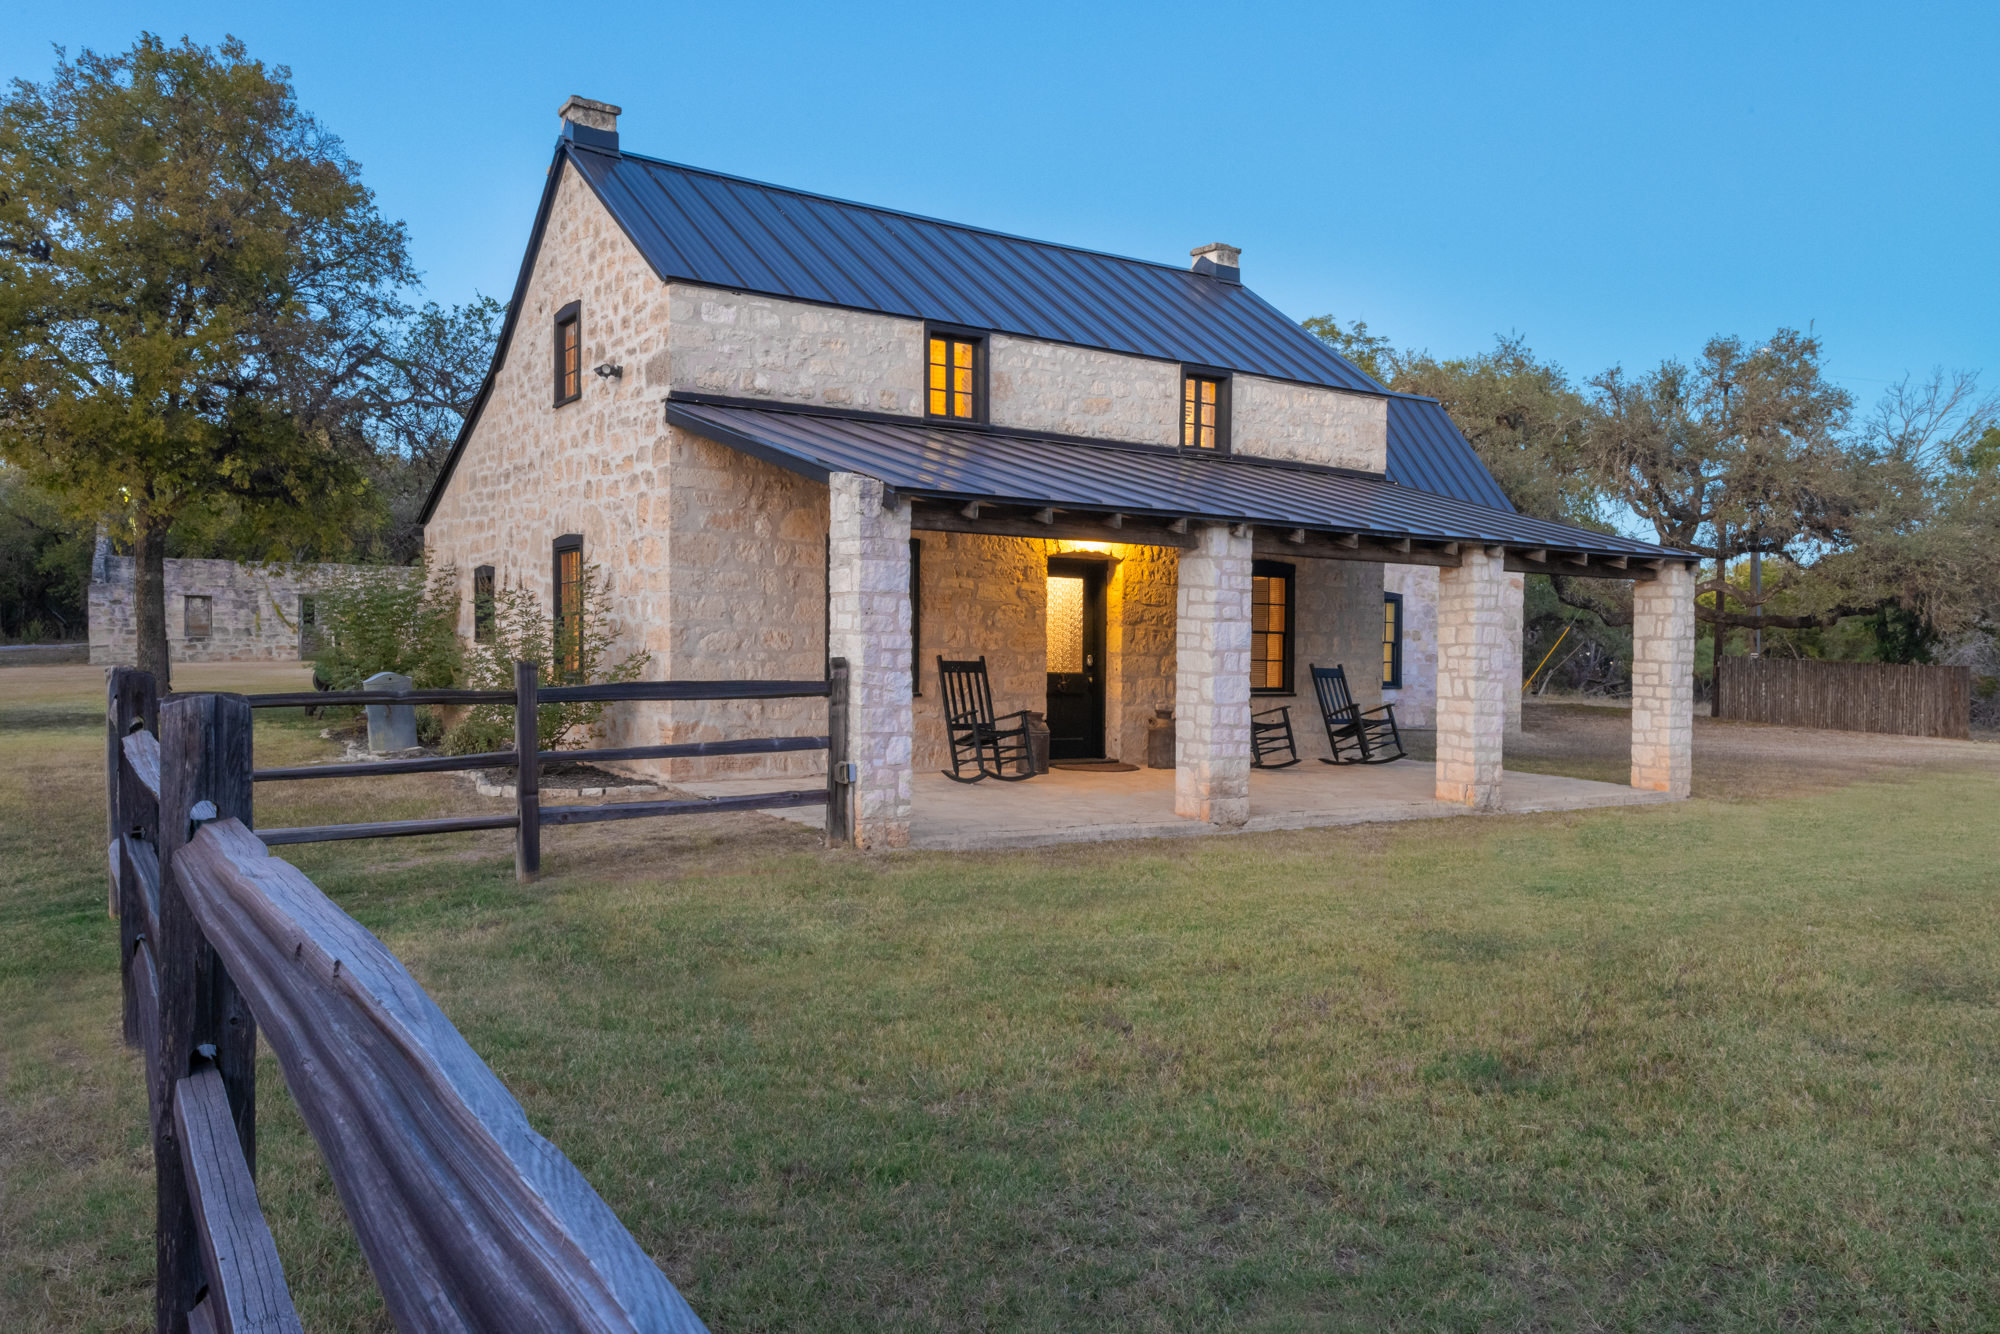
[953, 376]
[1270, 627]
[1392, 641]
[569, 611]
[1201, 413]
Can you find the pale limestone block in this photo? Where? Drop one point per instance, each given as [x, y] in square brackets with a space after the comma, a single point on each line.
[1663, 632]
[1471, 709]
[868, 593]
[1212, 665]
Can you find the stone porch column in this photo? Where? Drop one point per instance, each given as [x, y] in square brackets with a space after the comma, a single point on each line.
[1663, 681]
[1471, 691]
[1212, 686]
[868, 592]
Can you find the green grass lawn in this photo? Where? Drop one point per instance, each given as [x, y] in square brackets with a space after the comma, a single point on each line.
[1727, 1065]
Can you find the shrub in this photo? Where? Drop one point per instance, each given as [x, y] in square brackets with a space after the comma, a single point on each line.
[521, 632]
[385, 619]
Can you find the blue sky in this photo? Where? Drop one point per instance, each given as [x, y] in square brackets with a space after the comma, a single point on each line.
[1617, 182]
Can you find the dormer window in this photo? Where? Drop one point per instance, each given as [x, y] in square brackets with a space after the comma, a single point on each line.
[569, 353]
[956, 378]
[1204, 412]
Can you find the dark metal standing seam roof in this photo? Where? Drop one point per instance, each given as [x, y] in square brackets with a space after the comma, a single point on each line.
[919, 459]
[1427, 452]
[723, 231]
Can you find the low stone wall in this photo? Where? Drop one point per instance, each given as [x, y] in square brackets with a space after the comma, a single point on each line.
[253, 610]
[38, 655]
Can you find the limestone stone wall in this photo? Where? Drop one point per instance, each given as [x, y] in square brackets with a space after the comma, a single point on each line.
[801, 355]
[533, 472]
[1084, 391]
[1416, 701]
[1212, 695]
[1279, 420]
[253, 610]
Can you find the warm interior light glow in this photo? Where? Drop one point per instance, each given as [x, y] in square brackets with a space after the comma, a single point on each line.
[1065, 623]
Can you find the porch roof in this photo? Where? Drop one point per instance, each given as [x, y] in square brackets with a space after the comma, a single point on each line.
[1039, 473]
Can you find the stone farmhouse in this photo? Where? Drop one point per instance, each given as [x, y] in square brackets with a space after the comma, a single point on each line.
[786, 428]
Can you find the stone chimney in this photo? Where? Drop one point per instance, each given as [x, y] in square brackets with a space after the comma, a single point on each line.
[589, 124]
[1219, 261]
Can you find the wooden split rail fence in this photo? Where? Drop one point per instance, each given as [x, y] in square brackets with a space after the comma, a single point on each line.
[469, 1219]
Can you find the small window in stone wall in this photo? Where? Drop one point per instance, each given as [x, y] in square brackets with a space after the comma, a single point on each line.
[1272, 619]
[199, 616]
[308, 626]
[482, 604]
[1392, 641]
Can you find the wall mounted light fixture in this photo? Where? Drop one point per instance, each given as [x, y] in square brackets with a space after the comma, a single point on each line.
[607, 371]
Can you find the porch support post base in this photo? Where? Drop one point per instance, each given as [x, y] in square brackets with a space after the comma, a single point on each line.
[1212, 687]
[868, 623]
[1472, 660]
[1663, 681]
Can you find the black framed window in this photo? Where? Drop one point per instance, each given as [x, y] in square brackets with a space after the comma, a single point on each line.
[1273, 613]
[1392, 641]
[569, 353]
[916, 617]
[1204, 412]
[569, 607]
[956, 379]
[482, 604]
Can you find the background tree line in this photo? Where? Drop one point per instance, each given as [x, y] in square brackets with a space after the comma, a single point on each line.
[1875, 531]
[209, 339]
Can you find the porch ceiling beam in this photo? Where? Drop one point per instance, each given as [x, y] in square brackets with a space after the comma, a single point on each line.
[1279, 543]
[1599, 567]
[936, 517]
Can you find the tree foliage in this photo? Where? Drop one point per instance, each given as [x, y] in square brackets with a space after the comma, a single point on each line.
[373, 619]
[194, 286]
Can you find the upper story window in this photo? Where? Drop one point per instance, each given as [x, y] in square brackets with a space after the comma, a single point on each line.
[1271, 620]
[956, 381]
[569, 353]
[1204, 412]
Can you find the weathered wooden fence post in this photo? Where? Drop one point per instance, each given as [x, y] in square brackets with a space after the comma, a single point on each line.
[131, 697]
[839, 777]
[204, 756]
[527, 772]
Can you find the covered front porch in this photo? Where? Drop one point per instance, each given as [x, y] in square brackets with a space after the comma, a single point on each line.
[1214, 519]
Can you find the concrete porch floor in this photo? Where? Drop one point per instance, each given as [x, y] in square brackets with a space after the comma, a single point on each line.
[1066, 806]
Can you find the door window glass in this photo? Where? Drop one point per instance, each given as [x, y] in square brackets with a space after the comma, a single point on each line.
[1065, 623]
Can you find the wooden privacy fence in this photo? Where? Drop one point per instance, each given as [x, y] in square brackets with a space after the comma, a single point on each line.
[1846, 696]
[469, 1219]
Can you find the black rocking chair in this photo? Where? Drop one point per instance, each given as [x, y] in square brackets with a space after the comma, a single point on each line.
[1271, 734]
[977, 739]
[1351, 726]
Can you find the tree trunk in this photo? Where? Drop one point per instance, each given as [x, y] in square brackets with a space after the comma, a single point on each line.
[149, 597]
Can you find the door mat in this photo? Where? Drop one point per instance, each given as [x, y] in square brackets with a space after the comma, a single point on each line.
[1096, 766]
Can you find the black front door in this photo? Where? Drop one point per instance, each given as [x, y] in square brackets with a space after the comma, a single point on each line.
[1076, 659]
